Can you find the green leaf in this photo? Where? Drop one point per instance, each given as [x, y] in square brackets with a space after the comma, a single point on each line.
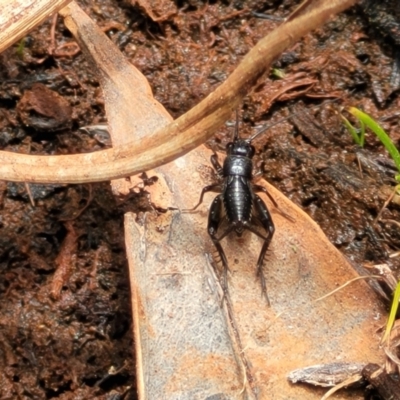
[382, 135]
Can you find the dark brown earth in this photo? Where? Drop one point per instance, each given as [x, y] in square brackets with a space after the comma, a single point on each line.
[65, 324]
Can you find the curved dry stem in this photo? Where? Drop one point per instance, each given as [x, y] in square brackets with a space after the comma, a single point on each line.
[180, 136]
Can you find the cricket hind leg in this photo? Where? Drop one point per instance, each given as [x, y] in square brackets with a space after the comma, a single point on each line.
[260, 188]
[263, 216]
[214, 222]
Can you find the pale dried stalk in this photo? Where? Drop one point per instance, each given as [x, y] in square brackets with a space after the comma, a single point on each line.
[19, 17]
[183, 134]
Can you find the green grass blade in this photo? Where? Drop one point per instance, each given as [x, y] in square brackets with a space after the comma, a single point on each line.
[362, 133]
[392, 315]
[382, 135]
[353, 131]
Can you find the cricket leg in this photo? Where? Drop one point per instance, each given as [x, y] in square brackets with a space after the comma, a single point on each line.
[214, 221]
[216, 187]
[264, 217]
[259, 188]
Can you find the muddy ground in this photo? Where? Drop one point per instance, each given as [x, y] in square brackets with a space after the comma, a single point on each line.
[66, 332]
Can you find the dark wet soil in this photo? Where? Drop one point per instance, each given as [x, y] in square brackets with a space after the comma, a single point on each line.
[65, 324]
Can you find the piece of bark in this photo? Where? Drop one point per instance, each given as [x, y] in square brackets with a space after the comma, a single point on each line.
[387, 386]
[44, 109]
[325, 375]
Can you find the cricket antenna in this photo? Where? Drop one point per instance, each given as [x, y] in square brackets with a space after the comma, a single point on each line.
[236, 133]
[262, 130]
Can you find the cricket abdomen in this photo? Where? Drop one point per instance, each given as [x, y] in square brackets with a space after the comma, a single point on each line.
[237, 200]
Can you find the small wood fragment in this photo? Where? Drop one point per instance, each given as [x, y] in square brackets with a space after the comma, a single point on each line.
[325, 375]
[387, 385]
[65, 261]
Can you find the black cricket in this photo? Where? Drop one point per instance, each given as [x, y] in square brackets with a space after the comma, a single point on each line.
[237, 206]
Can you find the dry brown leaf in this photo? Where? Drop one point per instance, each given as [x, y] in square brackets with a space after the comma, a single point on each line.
[184, 333]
